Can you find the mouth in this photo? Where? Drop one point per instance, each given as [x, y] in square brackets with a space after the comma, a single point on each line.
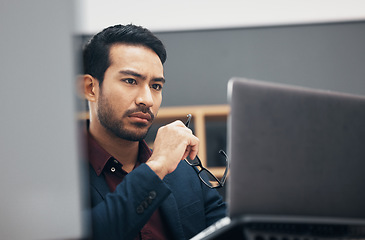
[140, 117]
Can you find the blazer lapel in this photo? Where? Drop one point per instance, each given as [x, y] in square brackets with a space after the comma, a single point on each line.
[98, 187]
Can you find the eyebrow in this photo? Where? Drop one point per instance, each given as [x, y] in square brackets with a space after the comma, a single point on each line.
[138, 75]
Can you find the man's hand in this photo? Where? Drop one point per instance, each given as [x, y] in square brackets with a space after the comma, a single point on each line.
[173, 143]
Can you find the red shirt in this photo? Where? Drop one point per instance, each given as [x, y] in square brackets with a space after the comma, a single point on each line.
[111, 168]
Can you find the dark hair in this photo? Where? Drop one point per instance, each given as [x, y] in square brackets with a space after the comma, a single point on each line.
[96, 51]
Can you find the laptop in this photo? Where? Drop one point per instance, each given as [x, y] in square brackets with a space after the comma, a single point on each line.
[297, 160]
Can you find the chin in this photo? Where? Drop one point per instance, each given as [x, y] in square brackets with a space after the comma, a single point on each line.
[134, 135]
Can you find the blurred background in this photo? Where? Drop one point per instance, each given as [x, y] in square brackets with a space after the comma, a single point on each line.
[318, 44]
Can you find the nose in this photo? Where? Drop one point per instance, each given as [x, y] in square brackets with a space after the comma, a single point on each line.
[145, 96]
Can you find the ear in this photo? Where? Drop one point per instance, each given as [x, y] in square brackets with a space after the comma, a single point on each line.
[89, 87]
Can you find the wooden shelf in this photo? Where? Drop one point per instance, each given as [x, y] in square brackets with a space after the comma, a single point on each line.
[200, 115]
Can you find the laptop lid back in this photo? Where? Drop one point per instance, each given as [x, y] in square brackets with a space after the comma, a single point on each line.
[295, 152]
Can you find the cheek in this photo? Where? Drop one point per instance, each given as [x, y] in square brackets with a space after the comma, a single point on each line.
[156, 103]
[120, 101]
[158, 100]
[122, 95]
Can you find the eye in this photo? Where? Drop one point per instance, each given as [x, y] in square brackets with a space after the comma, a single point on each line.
[130, 81]
[157, 86]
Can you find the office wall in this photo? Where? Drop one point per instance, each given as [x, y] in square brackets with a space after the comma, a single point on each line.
[40, 179]
[324, 56]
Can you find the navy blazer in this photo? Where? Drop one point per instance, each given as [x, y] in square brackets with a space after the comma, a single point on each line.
[186, 204]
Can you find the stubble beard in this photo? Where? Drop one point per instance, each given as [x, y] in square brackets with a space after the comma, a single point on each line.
[107, 118]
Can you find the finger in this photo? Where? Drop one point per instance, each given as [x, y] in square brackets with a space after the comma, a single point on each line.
[194, 148]
[187, 152]
[193, 155]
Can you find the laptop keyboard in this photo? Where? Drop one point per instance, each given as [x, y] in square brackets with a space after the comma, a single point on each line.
[295, 231]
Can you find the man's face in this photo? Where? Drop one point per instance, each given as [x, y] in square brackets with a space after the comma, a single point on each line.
[131, 92]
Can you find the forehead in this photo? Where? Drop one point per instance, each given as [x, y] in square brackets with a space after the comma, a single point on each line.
[124, 51]
[137, 58]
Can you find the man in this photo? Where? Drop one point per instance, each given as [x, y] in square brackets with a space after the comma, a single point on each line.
[137, 193]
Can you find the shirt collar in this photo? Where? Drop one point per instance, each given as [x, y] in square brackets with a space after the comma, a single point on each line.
[98, 157]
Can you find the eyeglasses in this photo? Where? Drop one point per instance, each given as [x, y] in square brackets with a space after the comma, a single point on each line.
[204, 174]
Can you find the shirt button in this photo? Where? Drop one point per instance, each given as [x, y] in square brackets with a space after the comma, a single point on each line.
[112, 169]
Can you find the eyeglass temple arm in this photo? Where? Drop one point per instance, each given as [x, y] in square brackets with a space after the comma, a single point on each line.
[227, 166]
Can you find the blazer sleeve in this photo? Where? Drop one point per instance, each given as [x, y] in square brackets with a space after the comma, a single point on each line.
[125, 211]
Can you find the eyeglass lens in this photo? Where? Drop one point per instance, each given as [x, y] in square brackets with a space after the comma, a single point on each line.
[208, 178]
[193, 162]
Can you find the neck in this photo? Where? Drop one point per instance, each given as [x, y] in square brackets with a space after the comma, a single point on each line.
[126, 152]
